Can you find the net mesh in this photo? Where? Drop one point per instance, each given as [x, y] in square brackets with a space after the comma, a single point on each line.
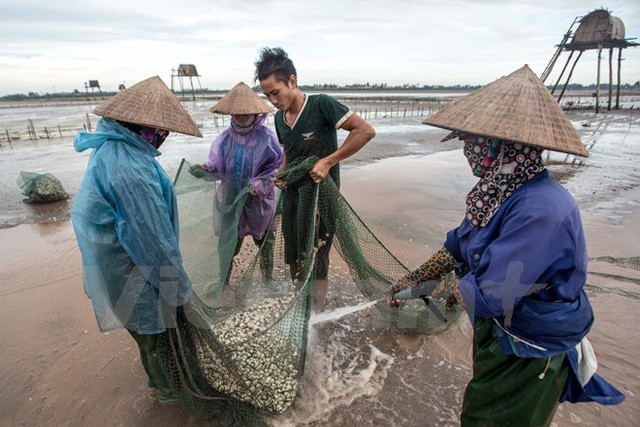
[41, 188]
[238, 350]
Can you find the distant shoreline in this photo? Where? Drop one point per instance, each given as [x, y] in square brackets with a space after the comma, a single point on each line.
[81, 99]
[379, 93]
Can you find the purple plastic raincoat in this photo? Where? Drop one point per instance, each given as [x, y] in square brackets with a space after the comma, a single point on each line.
[250, 157]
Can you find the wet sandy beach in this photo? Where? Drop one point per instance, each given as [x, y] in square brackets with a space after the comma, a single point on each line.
[57, 369]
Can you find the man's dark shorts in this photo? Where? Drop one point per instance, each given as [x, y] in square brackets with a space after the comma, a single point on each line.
[324, 238]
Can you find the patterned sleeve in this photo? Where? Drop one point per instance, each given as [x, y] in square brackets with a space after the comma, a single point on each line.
[452, 245]
[436, 267]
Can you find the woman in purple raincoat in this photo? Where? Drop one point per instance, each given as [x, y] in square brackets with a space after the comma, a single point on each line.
[247, 153]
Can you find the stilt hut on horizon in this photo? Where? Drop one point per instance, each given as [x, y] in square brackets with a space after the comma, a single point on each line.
[93, 85]
[186, 70]
[598, 30]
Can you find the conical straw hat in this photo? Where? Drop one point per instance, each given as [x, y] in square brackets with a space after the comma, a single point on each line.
[149, 103]
[516, 108]
[241, 99]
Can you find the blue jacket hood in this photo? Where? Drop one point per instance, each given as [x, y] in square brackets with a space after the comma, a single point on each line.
[110, 129]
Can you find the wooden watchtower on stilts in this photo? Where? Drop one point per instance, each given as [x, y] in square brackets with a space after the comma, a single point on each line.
[93, 85]
[186, 70]
[598, 30]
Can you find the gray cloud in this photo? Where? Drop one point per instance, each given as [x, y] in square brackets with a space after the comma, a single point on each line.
[461, 41]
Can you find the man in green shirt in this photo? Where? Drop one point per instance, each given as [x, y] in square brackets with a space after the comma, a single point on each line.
[307, 125]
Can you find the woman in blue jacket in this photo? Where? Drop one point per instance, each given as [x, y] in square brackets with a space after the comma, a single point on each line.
[126, 221]
[521, 258]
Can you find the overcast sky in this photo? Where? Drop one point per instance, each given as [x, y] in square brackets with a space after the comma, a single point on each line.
[58, 45]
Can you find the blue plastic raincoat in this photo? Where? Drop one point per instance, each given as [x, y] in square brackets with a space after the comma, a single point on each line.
[126, 223]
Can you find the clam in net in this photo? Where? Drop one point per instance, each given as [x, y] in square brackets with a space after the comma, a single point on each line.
[238, 351]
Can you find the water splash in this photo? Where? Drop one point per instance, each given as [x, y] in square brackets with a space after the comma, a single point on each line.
[338, 312]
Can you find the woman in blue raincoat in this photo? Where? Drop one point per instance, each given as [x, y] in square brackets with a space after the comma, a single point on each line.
[126, 222]
[520, 258]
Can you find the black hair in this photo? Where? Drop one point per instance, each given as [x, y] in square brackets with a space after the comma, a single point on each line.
[274, 61]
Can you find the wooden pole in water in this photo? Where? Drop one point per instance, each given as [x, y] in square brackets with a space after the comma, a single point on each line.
[618, 88]
[562, 72]
[8, 136]
[598, 79]
[193, 91]
[610, 78]
[569, 76]
[32, 130]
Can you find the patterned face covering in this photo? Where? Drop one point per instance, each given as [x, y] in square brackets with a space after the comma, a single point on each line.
[502, 167]
[481, 153]
[153, 136]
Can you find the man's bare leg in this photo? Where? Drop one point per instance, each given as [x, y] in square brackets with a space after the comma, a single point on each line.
[320, 294]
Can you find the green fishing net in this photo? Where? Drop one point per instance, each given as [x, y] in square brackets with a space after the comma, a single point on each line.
[238, 351]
